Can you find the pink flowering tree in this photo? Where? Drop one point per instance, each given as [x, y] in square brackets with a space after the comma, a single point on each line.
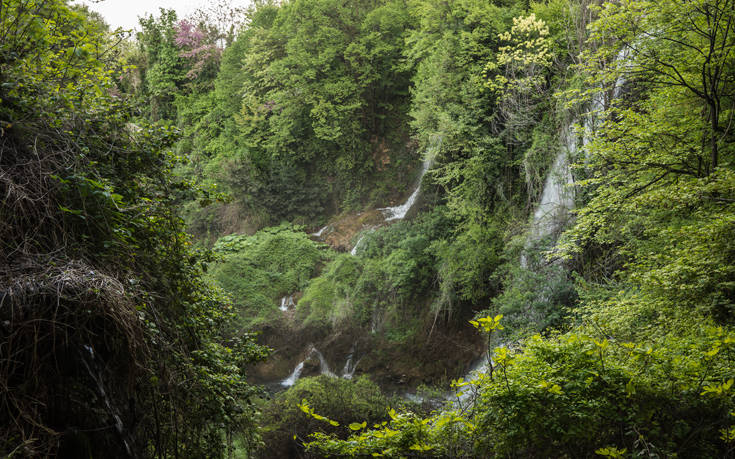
[199, 47]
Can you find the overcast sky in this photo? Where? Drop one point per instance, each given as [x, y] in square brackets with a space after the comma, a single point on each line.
[125, 13]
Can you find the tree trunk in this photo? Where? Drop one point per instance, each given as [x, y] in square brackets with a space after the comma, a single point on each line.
[715, 124]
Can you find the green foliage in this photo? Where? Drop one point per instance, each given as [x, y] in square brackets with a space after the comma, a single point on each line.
[391, 275]
[113, 341]
[329, 298]
[576, 393]
[161, 68]
[524, 59]
[321, 404]
[572, 395]
[256, 271]
[310, 103]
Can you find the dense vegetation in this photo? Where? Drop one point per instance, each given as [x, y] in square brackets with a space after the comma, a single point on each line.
[577, 223]
[111, 339]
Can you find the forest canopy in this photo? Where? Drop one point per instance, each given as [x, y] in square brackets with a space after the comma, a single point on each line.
[289, 230]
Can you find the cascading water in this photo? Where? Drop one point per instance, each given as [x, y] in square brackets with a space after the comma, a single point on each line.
[287, 303]
[353, 252]
[323, 366]
[399, 212]
[350, 366]
[320, 232]
[479, 367]
[294, 376]
[296, 373]
[557, 199]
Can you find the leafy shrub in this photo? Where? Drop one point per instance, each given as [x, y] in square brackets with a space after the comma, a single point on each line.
[340, 400]
[258, 270]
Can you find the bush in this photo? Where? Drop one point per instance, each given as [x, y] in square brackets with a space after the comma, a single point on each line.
[341, 400]
[258, 270]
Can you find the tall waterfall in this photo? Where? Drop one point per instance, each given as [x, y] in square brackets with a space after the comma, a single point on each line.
[557, 198]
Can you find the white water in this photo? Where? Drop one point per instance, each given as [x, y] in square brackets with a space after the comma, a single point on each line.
[350, 366]
[399, 212]
[294, 376]
[287, 302]
[353, 252]
[480, 367]
[296, 373]
[320, 232]
[557, 198]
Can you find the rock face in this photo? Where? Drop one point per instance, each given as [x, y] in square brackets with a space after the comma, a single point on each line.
[351, 351]
[341, 232]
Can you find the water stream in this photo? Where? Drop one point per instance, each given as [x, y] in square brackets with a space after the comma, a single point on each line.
[557, 199]
[350, 366]
[287, 303]
[399, 212]
[359, 241]
[320, 232]
[323, 367]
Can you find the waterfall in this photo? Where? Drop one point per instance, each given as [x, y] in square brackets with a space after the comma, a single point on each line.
[286, 303]
[320, 232]
[323, 366]
[357, 244]
[294, 376]
[296, 373]
[557, 199]
[399, 212]
[350, 366]
[479, 367]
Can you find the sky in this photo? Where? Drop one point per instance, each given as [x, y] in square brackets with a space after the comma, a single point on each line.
[125, 13]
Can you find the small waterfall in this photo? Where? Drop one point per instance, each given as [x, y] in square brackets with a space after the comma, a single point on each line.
[350, 366]
[621, 60]
[399, 212]
[557, 198]
[479, 367]
[296, 373]
[294, 376]
[287, 302]
[323, 366]
[353, 252]
[320, 232]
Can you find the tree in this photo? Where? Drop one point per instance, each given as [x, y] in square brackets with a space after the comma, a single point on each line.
[669, 43]
[112, 342]
[162, 66]
[518, 75]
